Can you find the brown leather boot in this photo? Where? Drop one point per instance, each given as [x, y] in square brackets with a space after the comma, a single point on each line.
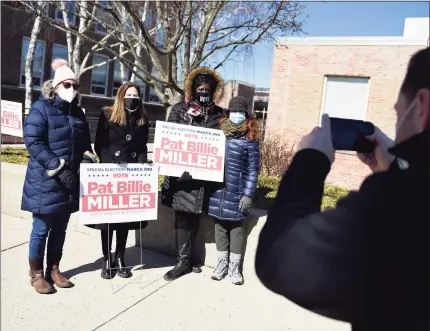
[36, 277]
[53, 274]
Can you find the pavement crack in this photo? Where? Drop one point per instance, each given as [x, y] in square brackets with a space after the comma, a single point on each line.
[133, 305]
[6, 249]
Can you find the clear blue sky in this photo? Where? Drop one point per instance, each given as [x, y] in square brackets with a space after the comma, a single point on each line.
[330, 19]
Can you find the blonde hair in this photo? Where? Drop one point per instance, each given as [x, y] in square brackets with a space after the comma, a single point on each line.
[117, 111]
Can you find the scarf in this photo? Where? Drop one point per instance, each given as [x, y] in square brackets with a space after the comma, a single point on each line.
[202, 110]
[232, 130]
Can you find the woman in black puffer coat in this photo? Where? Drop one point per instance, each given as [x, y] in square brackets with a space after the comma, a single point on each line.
[189, 197]
[231, 204]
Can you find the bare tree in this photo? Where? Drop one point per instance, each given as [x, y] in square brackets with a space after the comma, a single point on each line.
[76, 38]
[30, 55]
[186, 35]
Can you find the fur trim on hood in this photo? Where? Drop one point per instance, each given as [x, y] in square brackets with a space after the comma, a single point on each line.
[48, 92]
[188, 86]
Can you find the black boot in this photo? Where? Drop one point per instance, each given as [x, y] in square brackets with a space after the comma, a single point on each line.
[108, 271]
[184, 247]
[122, 270]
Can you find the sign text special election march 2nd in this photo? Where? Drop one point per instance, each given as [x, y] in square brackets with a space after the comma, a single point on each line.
[179, 148]
[110, 190]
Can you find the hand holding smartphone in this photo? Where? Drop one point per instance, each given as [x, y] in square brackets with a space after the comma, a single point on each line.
[350, 135]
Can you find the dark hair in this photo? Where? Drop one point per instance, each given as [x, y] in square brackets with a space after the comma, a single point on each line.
[204, 79]
[417, 75]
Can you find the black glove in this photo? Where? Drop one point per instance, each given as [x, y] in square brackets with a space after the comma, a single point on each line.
[245, 204]
[68, 179]
[142, 158]
[87, 160]
[185, 177]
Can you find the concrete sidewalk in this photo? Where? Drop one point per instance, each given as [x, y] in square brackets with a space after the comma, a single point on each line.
[143, 302]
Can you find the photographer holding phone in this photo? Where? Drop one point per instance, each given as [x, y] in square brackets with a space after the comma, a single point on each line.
[367, 260]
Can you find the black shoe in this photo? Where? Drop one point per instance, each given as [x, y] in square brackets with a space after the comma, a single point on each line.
[196, 269]
[182, 268]
[122, 270]
[108, 271]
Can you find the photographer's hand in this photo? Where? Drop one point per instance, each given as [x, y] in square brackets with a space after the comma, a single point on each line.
[319, 139]
[380, 159]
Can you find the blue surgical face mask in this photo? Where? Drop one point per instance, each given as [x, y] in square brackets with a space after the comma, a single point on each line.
[237, 118]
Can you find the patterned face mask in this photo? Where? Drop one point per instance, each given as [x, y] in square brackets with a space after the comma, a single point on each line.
[203, 98]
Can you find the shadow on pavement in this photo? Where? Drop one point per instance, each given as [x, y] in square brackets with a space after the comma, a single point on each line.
[133, 258]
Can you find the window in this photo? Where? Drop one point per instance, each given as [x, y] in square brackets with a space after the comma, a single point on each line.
[117, 80]
[71, 11]
[160, 38]
[38, 62]
[148, 18]
[346, 97]
[58, 52]
[152, 95]
[99, 76]
[101, 15]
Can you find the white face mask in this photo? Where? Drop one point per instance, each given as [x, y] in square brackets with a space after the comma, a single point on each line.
[402, 119]
[67, 94]
[237, 118]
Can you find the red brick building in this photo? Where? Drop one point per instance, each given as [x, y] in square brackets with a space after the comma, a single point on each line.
[348, 77]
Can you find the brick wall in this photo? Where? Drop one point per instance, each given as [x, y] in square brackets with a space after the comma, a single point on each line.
[297, 87]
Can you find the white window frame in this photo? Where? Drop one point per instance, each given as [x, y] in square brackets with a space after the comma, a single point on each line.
[154, 73]
[22, 69]
[323, 98]
[53, 58]
[107, 76]
[71, 22]
[113, 81]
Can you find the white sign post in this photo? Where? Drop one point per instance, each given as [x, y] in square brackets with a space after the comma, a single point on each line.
[179, 148]
[11, 118]
[118, 193]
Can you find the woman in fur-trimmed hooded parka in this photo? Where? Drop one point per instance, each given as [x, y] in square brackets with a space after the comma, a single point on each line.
[57, 138]
[189, 197]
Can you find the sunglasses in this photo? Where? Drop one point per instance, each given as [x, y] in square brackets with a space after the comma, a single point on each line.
[69, 85]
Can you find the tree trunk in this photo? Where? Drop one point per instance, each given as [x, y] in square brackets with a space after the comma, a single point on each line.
[174, 98]
[29, 59]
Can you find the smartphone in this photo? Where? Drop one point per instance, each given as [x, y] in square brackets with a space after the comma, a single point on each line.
[349, 135]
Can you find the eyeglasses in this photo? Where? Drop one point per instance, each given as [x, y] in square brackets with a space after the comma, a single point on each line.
[69, 85]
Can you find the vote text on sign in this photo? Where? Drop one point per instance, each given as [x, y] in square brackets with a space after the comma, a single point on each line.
[179, 148]
[118, 193]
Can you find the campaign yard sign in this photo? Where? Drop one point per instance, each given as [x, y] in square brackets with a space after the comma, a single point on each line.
[179, 148]
[118, 193]
[11, 118]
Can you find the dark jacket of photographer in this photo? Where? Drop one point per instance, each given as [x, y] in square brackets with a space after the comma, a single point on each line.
[365, 261]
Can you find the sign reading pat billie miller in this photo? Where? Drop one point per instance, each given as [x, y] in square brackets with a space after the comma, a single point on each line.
[11, 118]
[118, 193]
[179, 148]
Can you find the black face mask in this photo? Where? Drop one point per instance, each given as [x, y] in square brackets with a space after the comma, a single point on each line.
[131, 104]
[203, 98]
